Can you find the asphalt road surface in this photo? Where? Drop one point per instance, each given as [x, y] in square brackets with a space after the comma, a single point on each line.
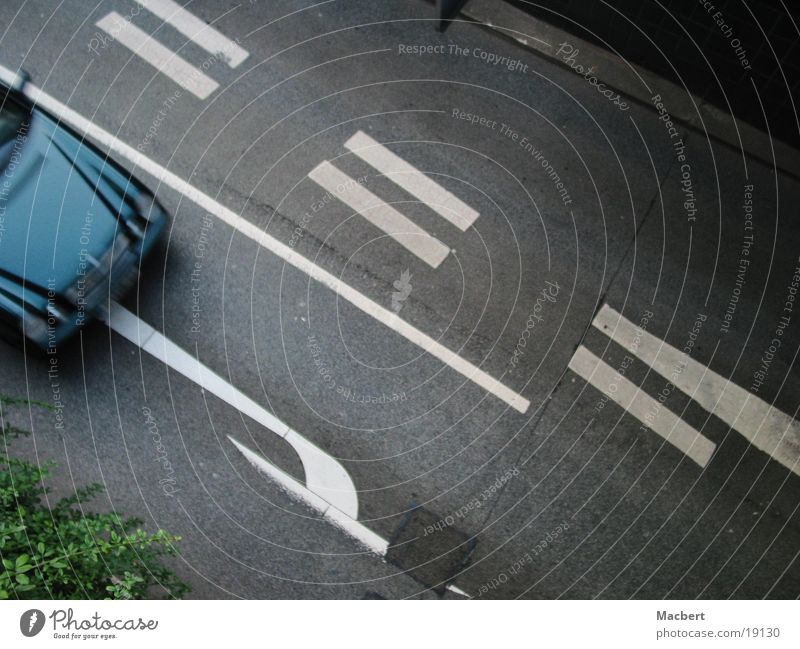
[542, 345]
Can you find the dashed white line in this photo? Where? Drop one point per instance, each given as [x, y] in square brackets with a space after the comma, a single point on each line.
[325, 477]
[196, 30]
[647, 410]
[766, 427]
[270, 243]
[162, 58]
[412, 180]
[382, 215]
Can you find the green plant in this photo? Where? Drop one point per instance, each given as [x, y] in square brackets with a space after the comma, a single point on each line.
[61, 551]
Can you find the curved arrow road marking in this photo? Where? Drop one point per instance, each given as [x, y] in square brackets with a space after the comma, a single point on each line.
[325, 477]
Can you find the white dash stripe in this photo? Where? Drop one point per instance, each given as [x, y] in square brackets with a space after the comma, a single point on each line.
[412, 180]
[766, 427]
[167, 178]
[196, 30]
[324, 475]
[647, 410]
[163, 59]
[382, 215]
[357, 530]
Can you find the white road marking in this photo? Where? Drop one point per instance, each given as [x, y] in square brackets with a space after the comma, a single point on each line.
[647, 410]
[382, 215]
[766, 427]
[412, 180]
[357, 530]
[325, 477]
[162, 58]
[196, 30]
[289, 255]
[455, 589]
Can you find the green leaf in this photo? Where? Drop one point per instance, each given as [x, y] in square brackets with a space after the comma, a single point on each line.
[73, 548]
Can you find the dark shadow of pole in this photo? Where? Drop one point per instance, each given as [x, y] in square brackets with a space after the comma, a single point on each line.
[445, 10]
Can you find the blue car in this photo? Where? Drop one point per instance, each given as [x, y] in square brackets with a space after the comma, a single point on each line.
[74, 225]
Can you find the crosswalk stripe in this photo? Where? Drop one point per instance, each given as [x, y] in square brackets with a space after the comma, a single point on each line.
[766, 427]
[160, 57]
[196, 30]
[412, 180]
[647, 410]
[380, 214]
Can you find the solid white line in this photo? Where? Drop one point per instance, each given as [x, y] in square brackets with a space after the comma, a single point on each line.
[196, 30]
[380, 214]
[412, 180]
[324, 475]
[266, 241]
[766, 427]
[163, 59]
[647, 410]
[357, 530]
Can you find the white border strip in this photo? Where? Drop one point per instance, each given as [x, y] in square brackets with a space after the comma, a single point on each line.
[647, 410]
[764, 426]
[412, 180]
[382, 215]
[197, 30]
[161, 58]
